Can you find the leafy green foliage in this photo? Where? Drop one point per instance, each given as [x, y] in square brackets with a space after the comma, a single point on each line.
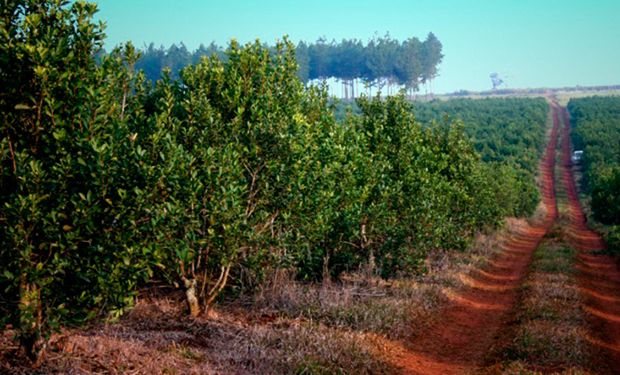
[596, 131]
[509, 135]
[605, 198]
[212, 180]
[63, 238]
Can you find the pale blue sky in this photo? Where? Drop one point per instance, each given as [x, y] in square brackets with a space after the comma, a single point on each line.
[532, 43]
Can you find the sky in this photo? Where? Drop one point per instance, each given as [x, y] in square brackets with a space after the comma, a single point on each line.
[529, 43]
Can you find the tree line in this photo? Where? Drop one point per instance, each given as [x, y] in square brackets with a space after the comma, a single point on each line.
[383, 61]
[208, 182]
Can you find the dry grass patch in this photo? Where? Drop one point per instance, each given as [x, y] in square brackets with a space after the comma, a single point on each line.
[546, 344]
[391, 309]
[287, 327]
[551, 297]
[307, 349]
[151, 341]
[396, 309]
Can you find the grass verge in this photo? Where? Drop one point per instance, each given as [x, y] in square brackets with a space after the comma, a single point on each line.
[287, 327]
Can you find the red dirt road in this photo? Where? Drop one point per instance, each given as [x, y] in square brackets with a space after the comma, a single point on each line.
[599, 277]
[470, 325]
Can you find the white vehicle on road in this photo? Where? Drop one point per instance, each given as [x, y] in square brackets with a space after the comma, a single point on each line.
[577, 156]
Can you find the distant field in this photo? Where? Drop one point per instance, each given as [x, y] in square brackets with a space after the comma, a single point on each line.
[565, 97]
[563, 94]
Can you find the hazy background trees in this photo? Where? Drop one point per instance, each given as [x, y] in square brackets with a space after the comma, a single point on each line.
[381, 63]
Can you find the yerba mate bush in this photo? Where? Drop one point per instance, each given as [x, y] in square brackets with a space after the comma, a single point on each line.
[212, 180]
[596, 131]
[68, 217]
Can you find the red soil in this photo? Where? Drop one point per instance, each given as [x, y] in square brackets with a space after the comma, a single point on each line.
[470, 324]
[599, 277]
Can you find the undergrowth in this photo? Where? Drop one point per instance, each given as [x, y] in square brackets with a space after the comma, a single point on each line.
[287, 327]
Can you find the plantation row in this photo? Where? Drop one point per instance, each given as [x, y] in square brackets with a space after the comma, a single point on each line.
[509, 135]
[212, 181]
[596, 131]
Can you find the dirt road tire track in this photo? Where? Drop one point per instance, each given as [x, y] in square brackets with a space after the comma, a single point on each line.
[469, 326]
[472, 323]
[598, 274]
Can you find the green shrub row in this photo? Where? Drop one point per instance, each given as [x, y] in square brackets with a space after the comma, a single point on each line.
[596, 131]
[206, 182]
[508, 133]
